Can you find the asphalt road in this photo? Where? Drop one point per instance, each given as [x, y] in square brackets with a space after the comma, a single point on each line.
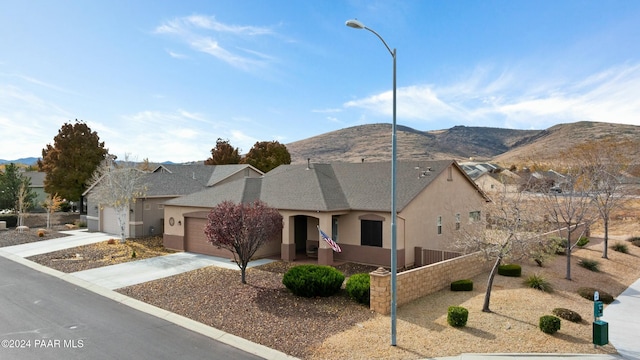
[43, 317]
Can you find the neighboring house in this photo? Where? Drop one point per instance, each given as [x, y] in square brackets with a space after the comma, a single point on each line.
[351, 202]
[502, 181]
[37, 185]
[146, 215]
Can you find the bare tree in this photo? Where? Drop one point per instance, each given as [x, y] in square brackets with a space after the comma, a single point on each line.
[570, 210]
[24, 199]
[243, 229]
[117, 185]
[52, 203]
[604, 163]
[509, 233]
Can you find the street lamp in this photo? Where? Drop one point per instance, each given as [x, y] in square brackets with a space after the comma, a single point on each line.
[394, 248]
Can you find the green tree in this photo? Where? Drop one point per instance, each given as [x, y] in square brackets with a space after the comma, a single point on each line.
[69, 163]
[11, 181]
[223, 154]
[267, 155]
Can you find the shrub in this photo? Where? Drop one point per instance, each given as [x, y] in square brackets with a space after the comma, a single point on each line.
[457, 316]
[560, 244]
[587, 293]
[41, 233]
[81, 224]
[549, 324]
[593, 265]
[133, 254]
[358, 287]
[111, 241]
[537, 281]
[582, 241]
[462, 285]
[620, 247]
[634, 238]
[513, 270]
[567, 314]
[313, 280]
[636, 242]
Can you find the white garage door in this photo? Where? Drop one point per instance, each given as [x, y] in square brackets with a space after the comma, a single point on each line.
[109, 223]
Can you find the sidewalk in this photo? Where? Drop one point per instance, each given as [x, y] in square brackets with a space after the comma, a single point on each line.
[623, 316]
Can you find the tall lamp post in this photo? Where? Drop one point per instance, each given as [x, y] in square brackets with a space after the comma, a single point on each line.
[394, 248]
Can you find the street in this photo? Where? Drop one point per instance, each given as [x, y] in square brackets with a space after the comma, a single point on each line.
[43, 317]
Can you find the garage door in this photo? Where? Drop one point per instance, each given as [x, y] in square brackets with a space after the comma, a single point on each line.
[196, 241]
[109, 222]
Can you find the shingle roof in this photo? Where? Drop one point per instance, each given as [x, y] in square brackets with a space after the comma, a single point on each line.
[327, 187]
[37, 178]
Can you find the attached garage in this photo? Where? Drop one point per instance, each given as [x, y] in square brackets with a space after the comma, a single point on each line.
[196, 241]
[109, 222]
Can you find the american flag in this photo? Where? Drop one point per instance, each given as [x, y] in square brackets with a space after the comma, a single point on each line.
[331, 243]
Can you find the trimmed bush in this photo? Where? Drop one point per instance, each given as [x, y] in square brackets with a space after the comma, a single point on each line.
[462, 285]
[567, 314]
[587, 293]
[538, 282]
[620, 247]
[457, 316]
[592, 265]
[358, 287]
[582, 241]
[512, 270]
[313, 280]
[549, 324]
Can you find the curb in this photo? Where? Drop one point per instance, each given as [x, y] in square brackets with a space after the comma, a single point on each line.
[213, 333]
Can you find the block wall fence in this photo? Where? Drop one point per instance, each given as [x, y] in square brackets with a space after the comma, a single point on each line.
[425, 280]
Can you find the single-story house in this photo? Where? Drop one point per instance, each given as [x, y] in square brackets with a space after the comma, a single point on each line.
[351, 202]
[167, 181]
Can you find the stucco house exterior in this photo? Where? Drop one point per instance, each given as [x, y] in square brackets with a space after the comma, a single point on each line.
[165, 182]
[37, 186]
[351, 202]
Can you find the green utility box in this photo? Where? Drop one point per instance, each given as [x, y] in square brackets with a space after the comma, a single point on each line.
[600, 332]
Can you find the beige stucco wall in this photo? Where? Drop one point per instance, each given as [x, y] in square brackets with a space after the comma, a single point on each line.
[445, 196]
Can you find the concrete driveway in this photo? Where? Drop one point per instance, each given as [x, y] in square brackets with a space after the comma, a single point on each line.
[135, 272]
[126, 274]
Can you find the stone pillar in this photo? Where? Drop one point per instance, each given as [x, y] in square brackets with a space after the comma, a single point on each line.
[380, 291]
[325, 255]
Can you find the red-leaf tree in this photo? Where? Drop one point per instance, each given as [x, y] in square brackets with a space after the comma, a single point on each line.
[243, 229]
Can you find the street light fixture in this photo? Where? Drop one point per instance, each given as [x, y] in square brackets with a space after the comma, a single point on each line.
[394, 248]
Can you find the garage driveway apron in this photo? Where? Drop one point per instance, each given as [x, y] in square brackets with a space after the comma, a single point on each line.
[135, 272]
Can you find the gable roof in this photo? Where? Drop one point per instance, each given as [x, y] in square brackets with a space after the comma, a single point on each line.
[171, 180]
[330, 187]
[37, 178]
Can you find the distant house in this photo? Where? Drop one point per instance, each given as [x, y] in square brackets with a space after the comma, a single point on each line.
[351, 202]
[491, 177]
[146, 215]
[37, 186]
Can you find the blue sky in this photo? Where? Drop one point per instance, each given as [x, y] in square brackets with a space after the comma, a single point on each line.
[164, 79]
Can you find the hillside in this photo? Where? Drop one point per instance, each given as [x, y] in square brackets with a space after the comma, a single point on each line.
[506, 146]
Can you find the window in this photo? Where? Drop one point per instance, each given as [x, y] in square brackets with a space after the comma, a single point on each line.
[439, 224]
[458, 221]
[147, 206]
[474, 216]
[334, 228]
[160, 206]
[371, 233]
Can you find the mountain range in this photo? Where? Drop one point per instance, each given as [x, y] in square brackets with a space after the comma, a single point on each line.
[372, 142]
[505, 146]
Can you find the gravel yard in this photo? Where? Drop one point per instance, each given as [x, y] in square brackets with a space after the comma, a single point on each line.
[265, 312]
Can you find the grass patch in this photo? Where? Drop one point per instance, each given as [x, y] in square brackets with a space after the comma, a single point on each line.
[591, 265]
[538, 282]
[620, 247]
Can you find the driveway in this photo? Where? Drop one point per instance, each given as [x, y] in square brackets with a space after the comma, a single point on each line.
[126, 274]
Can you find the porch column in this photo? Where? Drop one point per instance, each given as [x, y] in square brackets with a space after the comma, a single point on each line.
[288, 245]
[325, 252]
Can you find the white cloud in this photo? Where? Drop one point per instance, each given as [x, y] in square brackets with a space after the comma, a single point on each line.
[517, 99]
[234, 44]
